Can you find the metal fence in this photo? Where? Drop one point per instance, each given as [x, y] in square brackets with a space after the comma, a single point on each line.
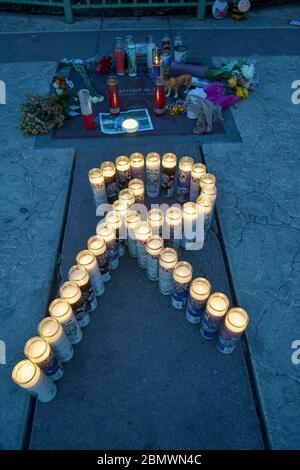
[70, 7]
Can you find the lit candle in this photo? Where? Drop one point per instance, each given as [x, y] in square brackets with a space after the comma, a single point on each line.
[37, 350]
[182, 276]
[53, 333]
[184, 178]
[142, 234]
[154, 246]
[205, 208]
[114, 220]
[137, 163]
[198, 169]
[209, 193]
[169, 161]
[167, 262]
[61, 310]
[113, 96]
[97, 183]
[127, 197]
[130, 126]
[120, 207]
[110, 178]
[155, 64]
[137, 186]
[86, 259]
[153, 174]
[155, 218]
[106, 232]
[132, 220]
[213, 316]
[123, 171]
[159, 104]
[80, 275]
[174, 227]
[29, 376]
[200, 290]
[86, 109]
[207, 179]
[71, 292]
[97, 246]
[236, 321]
[190, 212]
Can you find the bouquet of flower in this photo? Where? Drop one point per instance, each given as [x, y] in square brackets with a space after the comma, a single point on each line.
[238, 76]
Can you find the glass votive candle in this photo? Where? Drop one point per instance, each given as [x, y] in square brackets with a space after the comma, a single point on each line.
[52, 332]
[86, 259]
[190, 212]
[61, 310]
[207, 179]
[137, 187]
[182, 276]
[154, 246]
[142, 234]
[168, 172]
[173, 227]
[236, 321]
[114, 220]
[167, 262]
[108, 234]
[153, 174]
[210, 193]
[123, 171]
[214, 314]
[80, 275]
[132, 220]
[120, 207]
[29, 376]
[200, 290]
[71, 292]
[97, 246]
[126, 196]
[97, 183]
[37, 350]
[205, 208]
[155, 218]
[137, 163]
[110, 178]
[198, 169]
[184, 178]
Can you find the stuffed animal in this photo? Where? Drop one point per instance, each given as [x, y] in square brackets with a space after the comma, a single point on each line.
[207, 114]
[175, 84]
[220, 9]
[60, 84]
[239, 9]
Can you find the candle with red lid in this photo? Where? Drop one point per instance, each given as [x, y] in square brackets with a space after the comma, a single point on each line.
[113, 96]
[159, 97]
[119, 55]
[86, 109]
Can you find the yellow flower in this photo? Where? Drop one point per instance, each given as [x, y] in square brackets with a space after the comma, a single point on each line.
[242, 92]
[232, 82]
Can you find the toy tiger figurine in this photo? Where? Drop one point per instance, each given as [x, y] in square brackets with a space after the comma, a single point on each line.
[175, 84]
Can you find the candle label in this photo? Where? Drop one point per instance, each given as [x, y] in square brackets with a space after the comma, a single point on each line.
[165, 281]
[132, 246]
[81, 312]
[180, 294]
[194, 310]
[114, 259]
[167, 181]
[153, 182]
[210, 326]
[89, 296]
[225, 343]
[103, 264]
[123, 178]
[141, 253]
[96, 281]
[152, 267]
[122, 249]
[183, 186]
[63, 349]
[174, 242]
[99, 193]
[45, 389]
[111, 189]
[52, 367]
[137, 172]
[73, 330]
[194, 188]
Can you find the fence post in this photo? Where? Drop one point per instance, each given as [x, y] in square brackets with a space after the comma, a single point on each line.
[68, 11]
[201, 9]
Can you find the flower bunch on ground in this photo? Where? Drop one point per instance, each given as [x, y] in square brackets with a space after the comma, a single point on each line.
[239, 76]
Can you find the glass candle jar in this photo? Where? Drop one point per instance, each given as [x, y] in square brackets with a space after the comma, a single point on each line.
[155, 64]
[113, 96]
[159, 97]
[29, 376]
[153, 174]
[184, 179]
[114, 220]
[155, 218]
[190, 211]
[198, 169]
[137, 163]
[119, 56]
[127, 197]
[142, 234]
[108, 234]
[80, 275]
[109, 173]
[86, 109]
[86, 259]
[131, 56]
[97, 183]
[236, 321]
[154, 246]
[200, 290]
[52, 332]
[132, 220]
[37, 350]
[71, 292]
[123, 171]
[205, 208]
[182, 276]
[174, 227]
[207, 180]
[209, 193]
[61, 310]
[167, 262]
[213, 317]
[97, 246]
[137, 187]
[169, 161]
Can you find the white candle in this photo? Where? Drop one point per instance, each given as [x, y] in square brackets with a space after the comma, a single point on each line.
[52, 332]
[127, 197]
[182, 276]
[190, 212]
[106, 232]
[29, 376]
[110, 178]
[155, 218]
[137, 186]
[216, 309]
[86, 259]
[209, 193]
[123, 171]
[37, 350]
[173, 226]
[71, 292]
[236, 321]
[184, 178]
[153, 174]
[198, 169]
[114, 220]
[132, 220]
[154, 246]
[167, 262]
[97, 246]
[207, 179]
[120, 207]
[142, 234]
[137, 163]
[205, 209]
[130, 126]
[97, 183]
[61, 310]
[80, 275]
[169, 161]
[200, 290]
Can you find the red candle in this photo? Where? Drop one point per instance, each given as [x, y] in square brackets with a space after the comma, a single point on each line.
[119, 54]
[86, 110]
[113, 96]
[159, 97]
